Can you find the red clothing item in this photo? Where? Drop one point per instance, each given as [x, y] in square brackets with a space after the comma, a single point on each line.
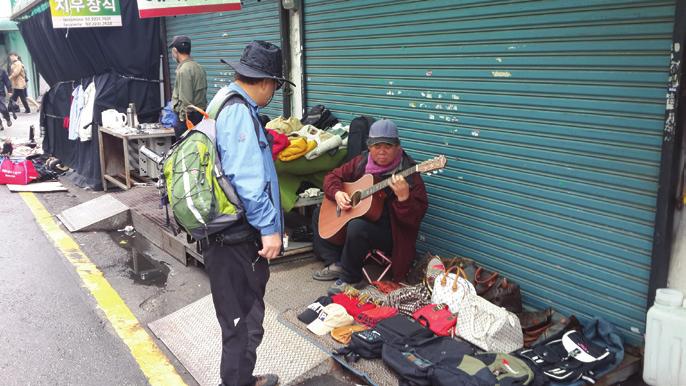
[406, 216]
[280, 142]
[352, 304]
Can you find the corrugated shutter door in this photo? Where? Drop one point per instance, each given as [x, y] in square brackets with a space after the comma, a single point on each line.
[551, 114]
[223, 35]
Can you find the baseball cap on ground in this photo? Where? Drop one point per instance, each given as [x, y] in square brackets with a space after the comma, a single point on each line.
[260, 60]
[180, 41]
[383, 131]
[310, 314]
[332, 316]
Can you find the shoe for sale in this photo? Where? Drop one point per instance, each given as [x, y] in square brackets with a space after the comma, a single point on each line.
[267, 380]
[301, 233]
[535, 320]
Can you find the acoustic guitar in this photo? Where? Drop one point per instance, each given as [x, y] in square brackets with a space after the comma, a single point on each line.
[367, 200]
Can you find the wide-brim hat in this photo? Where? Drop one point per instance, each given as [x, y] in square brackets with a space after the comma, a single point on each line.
[260, 60]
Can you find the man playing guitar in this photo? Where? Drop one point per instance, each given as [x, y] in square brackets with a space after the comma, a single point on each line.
[394, 232]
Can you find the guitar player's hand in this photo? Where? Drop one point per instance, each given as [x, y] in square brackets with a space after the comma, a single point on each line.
[400, 187]
[343, 200]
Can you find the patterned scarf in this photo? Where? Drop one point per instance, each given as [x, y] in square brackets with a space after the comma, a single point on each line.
[373, 168]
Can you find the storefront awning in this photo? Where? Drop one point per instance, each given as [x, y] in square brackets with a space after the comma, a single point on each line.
[8, 25]
[23, 9]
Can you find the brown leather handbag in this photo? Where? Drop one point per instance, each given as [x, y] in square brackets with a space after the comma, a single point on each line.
[498, 290]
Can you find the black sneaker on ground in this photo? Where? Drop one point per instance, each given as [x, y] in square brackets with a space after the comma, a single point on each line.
[9, 123]
[14, 115]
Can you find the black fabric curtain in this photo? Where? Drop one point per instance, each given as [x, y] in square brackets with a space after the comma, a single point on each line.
[122, 61]
[71, 54]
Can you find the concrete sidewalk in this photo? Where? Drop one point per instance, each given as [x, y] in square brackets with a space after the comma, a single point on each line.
[19, 131]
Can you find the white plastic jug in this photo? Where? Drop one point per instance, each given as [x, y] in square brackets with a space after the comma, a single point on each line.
[664, 363]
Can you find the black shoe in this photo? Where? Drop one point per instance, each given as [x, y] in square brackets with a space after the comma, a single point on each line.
[9, 123]
[14, 115]
[27, 112]
[267, 380]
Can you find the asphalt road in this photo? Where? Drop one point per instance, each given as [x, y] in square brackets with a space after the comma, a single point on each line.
[50, 329]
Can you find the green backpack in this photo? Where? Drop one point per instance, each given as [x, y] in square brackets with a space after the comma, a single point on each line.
[201, 197]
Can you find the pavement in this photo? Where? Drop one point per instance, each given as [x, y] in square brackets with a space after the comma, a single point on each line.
[19, 131]
[52, 332]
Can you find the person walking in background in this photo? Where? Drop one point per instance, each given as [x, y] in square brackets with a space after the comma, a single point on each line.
[4, 84]
[190, 85]
[18, 79]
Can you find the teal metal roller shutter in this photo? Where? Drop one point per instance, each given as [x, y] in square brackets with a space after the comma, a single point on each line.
[551, 114]
[223, 35]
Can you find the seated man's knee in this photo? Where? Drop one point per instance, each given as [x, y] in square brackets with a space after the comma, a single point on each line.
[356, 228]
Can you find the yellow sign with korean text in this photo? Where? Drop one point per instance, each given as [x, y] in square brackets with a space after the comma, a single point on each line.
[85, 13]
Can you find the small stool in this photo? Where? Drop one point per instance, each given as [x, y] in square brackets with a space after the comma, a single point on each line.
[380, 258]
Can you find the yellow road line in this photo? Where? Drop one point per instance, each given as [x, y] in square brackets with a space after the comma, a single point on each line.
[151, 360]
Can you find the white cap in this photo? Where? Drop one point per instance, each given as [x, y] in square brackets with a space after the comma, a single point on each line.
[332, 316]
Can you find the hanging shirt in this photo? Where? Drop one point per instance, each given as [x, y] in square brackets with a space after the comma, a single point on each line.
[86, 116]
[74, 111]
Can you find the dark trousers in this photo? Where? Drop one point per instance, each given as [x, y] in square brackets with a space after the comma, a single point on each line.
[21, 94]
[238, 284]
[3, 109]
[361, 237]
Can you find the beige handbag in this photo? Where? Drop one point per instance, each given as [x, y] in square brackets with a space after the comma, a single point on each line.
[489, 327]
[451, 288]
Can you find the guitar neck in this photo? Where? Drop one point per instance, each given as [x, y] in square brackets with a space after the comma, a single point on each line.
[383, 184]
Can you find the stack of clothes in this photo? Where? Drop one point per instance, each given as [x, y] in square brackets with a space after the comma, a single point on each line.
[304, 154]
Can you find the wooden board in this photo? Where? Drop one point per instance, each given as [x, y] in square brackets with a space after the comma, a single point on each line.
[48, 186]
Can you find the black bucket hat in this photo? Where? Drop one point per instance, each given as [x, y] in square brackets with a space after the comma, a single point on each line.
[260, 60]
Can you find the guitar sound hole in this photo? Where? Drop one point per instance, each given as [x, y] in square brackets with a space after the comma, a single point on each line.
[355, 198]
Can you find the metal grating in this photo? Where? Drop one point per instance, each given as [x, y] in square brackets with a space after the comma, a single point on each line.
[223, 35]
[551, 114]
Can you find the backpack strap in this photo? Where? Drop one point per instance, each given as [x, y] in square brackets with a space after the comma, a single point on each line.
[235, 97]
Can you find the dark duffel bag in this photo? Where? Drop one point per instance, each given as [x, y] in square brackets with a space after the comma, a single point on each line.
[413, 360]
[402, 327]
[320, 117]
[367, 344]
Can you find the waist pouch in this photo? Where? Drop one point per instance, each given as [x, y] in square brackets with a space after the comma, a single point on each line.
[365, 344]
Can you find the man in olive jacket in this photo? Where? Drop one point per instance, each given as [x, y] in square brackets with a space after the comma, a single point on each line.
[190, 85]
[395, 232]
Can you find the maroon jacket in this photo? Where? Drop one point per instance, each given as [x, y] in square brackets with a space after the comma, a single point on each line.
[405, 216]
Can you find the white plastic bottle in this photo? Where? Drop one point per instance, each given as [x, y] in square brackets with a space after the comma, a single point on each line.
[664, 363]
